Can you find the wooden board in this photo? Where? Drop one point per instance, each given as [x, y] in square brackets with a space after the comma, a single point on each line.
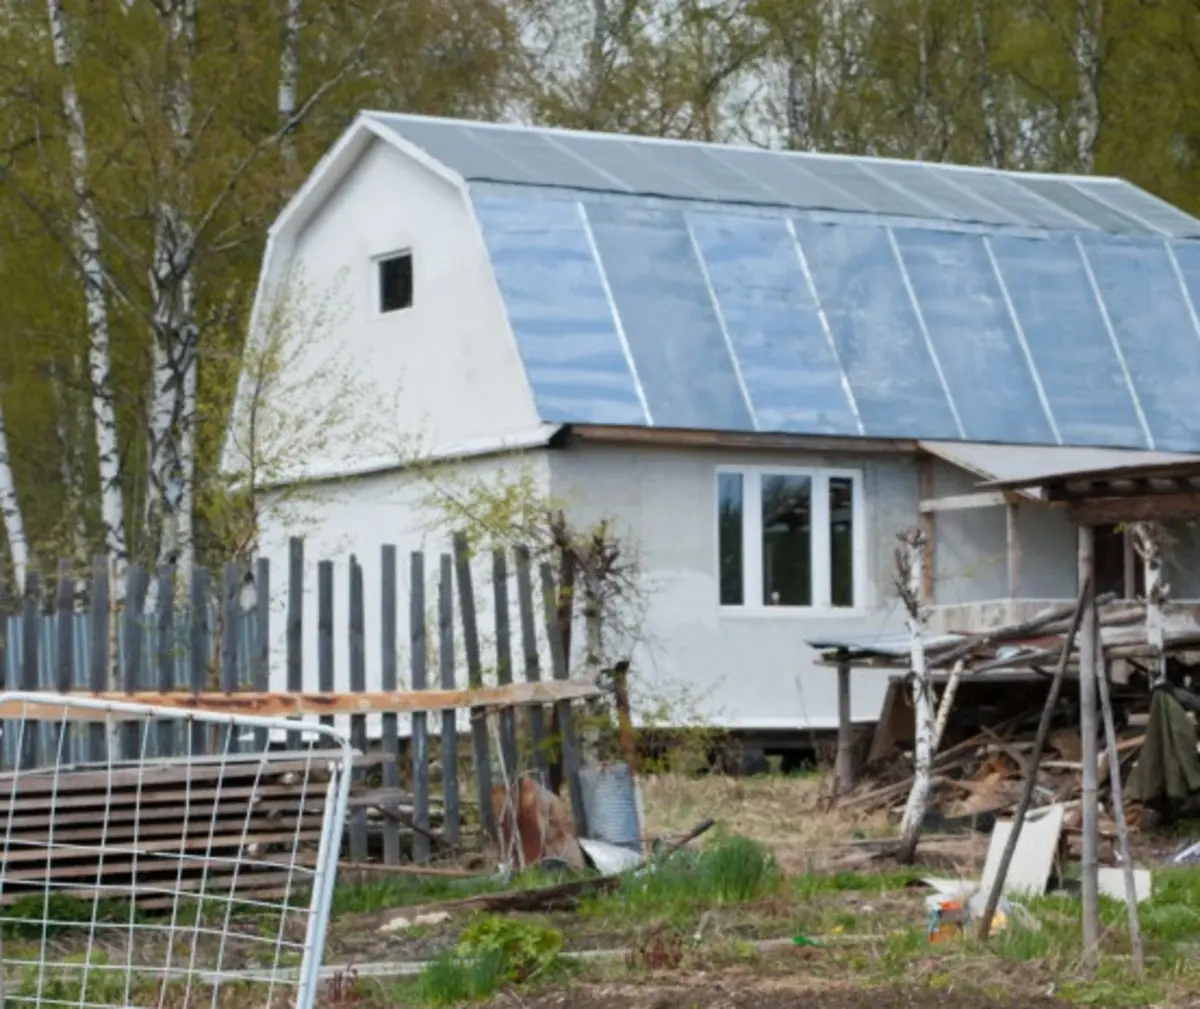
[283, 705]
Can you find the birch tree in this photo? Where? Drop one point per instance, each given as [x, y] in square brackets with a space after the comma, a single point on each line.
[87, 246]
[10, 511]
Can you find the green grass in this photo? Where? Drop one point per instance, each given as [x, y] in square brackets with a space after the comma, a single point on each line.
[731, 870]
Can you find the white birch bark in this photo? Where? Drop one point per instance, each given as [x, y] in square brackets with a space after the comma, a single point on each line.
[10, 512]
[1089, 21]
[289, 81]
[1148, 541]
[923, 716]
[95, 283]
[172, 443]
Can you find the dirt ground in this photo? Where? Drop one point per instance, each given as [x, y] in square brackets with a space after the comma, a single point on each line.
[742, 989]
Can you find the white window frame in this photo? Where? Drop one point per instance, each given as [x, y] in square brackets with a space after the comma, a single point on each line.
[752, 553]
[377, 281]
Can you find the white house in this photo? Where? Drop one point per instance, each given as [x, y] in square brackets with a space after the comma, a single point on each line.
[761, 365]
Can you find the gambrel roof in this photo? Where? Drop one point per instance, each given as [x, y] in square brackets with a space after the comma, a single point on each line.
[687, 285]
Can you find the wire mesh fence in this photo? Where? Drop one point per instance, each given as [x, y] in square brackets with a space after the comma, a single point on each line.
[203, 879]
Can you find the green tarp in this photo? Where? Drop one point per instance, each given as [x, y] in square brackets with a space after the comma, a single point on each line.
[1168, 765]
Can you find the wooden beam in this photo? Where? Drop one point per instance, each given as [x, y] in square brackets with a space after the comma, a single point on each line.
[845, 738]
[927, 530]
[280, 705]
[1110, 511]
[961, 502]
[1012, 547]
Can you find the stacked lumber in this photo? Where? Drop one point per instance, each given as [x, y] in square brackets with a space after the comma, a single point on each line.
[239, 826]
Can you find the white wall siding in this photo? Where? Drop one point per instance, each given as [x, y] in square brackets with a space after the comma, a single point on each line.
[447, 368]
[739, 671]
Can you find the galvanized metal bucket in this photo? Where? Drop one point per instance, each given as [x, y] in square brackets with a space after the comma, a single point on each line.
[610, 804]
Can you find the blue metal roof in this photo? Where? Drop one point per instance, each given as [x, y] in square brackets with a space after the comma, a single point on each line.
[699, 286]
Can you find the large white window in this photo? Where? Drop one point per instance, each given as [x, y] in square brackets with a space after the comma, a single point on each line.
[790, 538]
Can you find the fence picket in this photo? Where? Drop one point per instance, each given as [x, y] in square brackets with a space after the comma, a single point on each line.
[533, 673]
[199, 653]
[295, 626]
[566, 726]
[100, 649]
[30, 749]
[504, 671]
[325, 631]
[261, 673]
[165, 595]
[479, 729]
[358, 684]
[418, 656]
[452, 826]
[390, 734]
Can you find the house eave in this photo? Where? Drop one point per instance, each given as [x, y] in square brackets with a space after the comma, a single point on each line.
[658, 437]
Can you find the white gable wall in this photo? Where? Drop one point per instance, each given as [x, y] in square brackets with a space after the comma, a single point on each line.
[446, 369]
[749, 670]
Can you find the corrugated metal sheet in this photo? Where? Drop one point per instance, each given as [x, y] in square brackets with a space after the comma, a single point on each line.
[884, 645]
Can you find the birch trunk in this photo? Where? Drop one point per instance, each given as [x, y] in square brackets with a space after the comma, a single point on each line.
[86, 234]
[172, 444]
[10, 512]
[923, 717]
[289, 82]
[1089, 21]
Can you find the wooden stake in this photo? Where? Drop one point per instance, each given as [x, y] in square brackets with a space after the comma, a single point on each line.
[844, 769]
[1118, 812]
[1088, 734]
[911, 558]
[1039, 744]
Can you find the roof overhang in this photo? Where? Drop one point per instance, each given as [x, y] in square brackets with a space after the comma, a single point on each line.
[661, 437]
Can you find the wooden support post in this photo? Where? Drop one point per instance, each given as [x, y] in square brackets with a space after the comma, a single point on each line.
[626, 740]
[165, 616]
[1118, 813]
[844, 769]
[418, 657]
[927, 532]
[1088, 735]
[98, 678]
[1012, 553]
[1035, 758]
[568, 743]
[358, 685]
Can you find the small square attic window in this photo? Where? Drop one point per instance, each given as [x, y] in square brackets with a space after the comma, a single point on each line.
[395, 282]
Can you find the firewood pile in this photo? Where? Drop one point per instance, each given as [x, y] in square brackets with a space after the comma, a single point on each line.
[983, 762]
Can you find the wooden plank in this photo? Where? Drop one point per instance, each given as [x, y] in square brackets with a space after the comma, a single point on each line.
[165, 596]
[479, 730]
[29, 748]
[389, 681]
[64, 666]
[962, 502]
[504, 670]
[295, 625]
[64, 652]
[418, 657]
[453, 827]
[566, 725]
[198, 652]
[132, 744]
[249, 702]
[325, 631]
[1088, 725]
[230, 632]
[98, 657]
[529, 647]
[1113, 511]
[358, 685]
[260, 671]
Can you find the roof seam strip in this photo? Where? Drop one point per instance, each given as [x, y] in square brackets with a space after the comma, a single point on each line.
[916, 307]
[941, 212]
[1116, 344]
[553, 141]
[1056, 207]
[1187, 295]
[616, 315]
[823, 318]
[1022, 339]
[1117, 210]
[720, 314]
[1019, 220]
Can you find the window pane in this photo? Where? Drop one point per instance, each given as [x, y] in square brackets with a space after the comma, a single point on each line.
[841, 541]
[787, 540]
[729, 538]
[395, 283]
